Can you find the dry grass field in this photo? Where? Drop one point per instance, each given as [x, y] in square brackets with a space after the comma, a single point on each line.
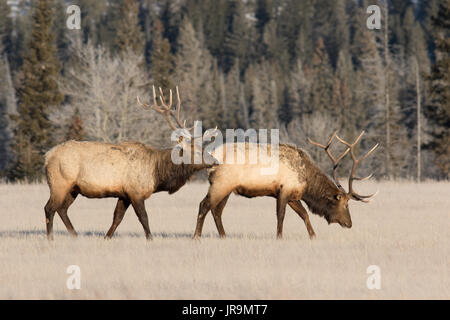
[404, 231]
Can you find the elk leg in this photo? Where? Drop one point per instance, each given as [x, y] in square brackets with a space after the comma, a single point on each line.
[301, 211]
[50, 209]
[203, 210]
[121, 206]
[62, 211]
[217, 214]
[139, 208]
[281, 210]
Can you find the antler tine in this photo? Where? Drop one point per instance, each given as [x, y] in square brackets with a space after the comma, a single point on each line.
[366, 199]
[155, 101]
[147, 106]
[166, 109]
[178, 104]
[143, 105]
[331, 139]
[355, 165]
[330, 155]
[178, 112]
[369, 152]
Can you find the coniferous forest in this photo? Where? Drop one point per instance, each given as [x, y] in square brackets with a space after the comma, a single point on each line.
[306, 67]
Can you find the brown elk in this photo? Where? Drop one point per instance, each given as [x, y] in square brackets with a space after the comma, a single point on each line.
[297, 178]
[129, 171]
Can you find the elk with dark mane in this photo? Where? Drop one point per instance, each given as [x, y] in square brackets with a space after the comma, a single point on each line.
[129, 171]
[297, 178]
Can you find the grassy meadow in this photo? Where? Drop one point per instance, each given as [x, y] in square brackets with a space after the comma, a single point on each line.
[404, 231]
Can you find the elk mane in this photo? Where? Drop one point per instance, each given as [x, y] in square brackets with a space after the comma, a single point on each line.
[320, 188]
[170, 176]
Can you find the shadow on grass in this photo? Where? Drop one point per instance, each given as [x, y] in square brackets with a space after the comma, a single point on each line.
[23, 234]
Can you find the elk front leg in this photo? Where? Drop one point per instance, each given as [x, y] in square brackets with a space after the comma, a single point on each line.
[281, 210]
[139, 208]
[297, 206]
[121, 206]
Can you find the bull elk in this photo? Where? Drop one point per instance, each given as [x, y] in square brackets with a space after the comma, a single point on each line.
[129, 171]
[298, 178]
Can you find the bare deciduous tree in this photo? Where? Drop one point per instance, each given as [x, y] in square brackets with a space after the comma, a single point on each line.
[104, 89]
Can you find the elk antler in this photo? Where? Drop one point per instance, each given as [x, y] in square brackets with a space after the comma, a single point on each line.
[356, 162]
[166, 110]
[333, 159]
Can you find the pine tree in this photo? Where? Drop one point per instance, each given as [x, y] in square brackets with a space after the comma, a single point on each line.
[75, 128]
[265, 97]
[128, 30]
[38, 92]
[195, 76]
[170, 17]
[215, 26]
[263, 14]
[304, 41]
[237, 41]
[438, 109]
[322, 81]
[162, 60]
[7, 106]
[5, 28]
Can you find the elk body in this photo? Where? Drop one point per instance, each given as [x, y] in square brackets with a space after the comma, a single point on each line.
[297, 178]
[129, 171]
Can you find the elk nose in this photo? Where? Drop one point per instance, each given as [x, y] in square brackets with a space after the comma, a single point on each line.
[348, 224]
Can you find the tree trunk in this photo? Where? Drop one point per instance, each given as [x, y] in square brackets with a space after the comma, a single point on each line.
[419, 125]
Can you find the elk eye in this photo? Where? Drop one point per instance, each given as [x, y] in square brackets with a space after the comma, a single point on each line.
[338, 197]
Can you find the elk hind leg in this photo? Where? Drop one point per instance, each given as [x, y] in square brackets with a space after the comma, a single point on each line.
[62, 211]
[139, 208]
[203, 210]
[53, 204]
[121, 206]
[281, 211]
[217, 214]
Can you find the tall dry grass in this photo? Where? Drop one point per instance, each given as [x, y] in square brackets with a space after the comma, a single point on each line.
[405, 232]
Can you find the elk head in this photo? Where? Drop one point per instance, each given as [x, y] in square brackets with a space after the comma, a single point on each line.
[338, 201]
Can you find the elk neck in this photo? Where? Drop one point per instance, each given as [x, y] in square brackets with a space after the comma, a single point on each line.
[319, 190]
[171, 177]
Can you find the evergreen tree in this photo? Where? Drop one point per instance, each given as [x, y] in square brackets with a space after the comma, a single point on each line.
[128, 30]
[170, 17]
[236, 37]
[304, 41]
[263, 14]
[162, 60]
[94, 21]
[5, 28]
[438, 109]
[215, 26]
[38, 93]
[321, 82]
[195, 76]
[75, 128]
[7, 106]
